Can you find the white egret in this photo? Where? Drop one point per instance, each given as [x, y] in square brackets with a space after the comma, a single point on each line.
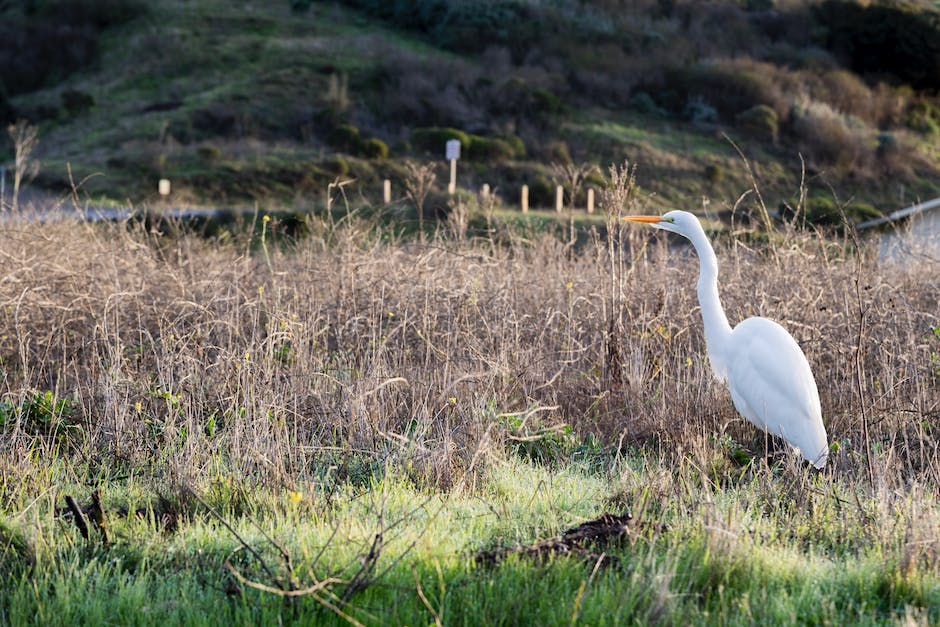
[769, 378]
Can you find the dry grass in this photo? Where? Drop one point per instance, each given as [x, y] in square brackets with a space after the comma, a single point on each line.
[368, 400]
[187, 357]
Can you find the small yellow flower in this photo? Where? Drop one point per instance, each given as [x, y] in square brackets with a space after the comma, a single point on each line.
[247, 356]
[569, 284]
[391, 314]
[295, 496]
[260, 290]
[452, 400]
[139, 407]
[266, 218]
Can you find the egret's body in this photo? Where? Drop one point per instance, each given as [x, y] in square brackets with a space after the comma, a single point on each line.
[769, 378]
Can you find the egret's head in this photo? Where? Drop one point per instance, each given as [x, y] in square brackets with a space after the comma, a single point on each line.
[681, 222]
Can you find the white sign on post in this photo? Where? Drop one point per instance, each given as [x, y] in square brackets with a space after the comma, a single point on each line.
[452, 151]
[164, 187]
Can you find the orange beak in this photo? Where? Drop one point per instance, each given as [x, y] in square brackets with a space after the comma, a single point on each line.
[647, 219]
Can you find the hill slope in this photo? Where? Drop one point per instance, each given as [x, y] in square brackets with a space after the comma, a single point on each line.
[273, 101]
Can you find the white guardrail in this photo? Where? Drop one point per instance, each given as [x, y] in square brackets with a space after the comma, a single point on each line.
[900, 213]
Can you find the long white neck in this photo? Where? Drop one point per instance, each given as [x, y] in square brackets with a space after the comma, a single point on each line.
[717, 329]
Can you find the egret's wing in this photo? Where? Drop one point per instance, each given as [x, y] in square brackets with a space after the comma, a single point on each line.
[772, 385]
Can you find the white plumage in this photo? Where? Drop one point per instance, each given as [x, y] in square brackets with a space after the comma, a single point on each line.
[769, 378]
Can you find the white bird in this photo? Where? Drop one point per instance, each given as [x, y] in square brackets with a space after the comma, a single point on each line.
[769, 378]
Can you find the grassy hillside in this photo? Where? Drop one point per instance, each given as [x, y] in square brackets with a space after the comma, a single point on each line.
[273, 101]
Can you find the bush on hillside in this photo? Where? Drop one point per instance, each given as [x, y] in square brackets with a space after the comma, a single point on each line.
[923, 116]
[644, 103]
[336, 165]
[373, 148]
[823, 211]
[345, 137]
[832, 138]
[761, 122]
[489, 149]
[434, 139]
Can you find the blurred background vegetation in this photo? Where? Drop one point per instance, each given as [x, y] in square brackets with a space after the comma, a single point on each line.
[272, 102]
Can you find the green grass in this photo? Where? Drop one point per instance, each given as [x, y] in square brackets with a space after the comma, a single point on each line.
[749, 553]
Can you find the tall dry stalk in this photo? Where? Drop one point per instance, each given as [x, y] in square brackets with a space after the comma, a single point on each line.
[418, 184]
[615, 200]
[25, 138]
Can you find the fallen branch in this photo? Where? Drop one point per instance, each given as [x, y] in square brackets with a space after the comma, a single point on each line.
[604, 530]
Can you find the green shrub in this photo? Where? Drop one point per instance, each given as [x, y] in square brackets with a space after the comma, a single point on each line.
[434, 139]
[761, 121]
[345, 137]
[923, 117]
[336, 165]
[489, 149]
[644, 103]
[823, 211]
[859, 211]
[699, 111]
[373, 148]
